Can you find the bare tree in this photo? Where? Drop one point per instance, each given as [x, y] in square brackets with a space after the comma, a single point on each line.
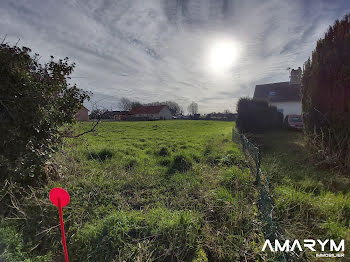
[126, 104]
[193, 108]
[97, 113]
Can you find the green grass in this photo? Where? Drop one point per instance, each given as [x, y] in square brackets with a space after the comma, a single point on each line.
[311, 202]
[147, 191]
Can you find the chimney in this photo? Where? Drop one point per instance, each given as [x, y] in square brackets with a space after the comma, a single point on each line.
[295, 76]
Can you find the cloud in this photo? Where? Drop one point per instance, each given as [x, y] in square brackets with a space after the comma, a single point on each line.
[157, 50]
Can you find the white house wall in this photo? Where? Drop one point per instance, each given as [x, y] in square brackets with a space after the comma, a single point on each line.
[165, 113]
[289, 108]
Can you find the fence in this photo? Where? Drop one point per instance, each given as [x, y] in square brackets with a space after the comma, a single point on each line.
[271, 229]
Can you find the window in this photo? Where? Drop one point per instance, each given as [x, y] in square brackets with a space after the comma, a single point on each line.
[272, 93]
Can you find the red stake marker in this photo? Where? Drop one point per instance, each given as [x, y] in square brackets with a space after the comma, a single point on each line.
[60, 198]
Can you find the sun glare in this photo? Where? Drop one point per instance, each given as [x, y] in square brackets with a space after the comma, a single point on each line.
[222, 56]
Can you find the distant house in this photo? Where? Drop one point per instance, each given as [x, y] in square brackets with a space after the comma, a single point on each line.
[286, 96]
[151, 112]
[195, 116]
[120, 115]
[82, 115]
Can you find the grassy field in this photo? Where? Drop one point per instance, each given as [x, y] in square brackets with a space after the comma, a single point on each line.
[311, 201]
[175, 191]
[144, 191]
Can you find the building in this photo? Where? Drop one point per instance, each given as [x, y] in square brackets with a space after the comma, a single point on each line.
[151, 112]
[120, 115]
[82, 115]
[111, 115]
[286, 96]
[295, 76]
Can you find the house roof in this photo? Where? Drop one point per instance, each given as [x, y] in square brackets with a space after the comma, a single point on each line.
[84, 108]
[146, 110]
[119, 112]
[278, 92]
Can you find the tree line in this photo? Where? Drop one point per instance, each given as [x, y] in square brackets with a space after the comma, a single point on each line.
[126, 104]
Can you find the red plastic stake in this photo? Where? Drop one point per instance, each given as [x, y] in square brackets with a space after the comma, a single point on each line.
[60, 198]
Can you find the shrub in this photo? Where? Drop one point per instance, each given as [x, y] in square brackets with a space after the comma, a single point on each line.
[325, 96]
[36, 101]
[257, 116]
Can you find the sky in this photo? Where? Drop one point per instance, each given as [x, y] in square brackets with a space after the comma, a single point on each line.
[208, 51]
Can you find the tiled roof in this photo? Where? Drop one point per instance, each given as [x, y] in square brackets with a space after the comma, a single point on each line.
[278, 92]
[146, 110]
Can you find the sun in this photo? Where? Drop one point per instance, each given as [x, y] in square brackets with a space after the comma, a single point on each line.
[222, 56]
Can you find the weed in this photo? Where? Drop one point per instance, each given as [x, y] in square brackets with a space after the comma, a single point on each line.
[165, 161]
[234, 159]
[101, 155]
[181, 163]
[129, 162]
[164, 151]
[14, 247]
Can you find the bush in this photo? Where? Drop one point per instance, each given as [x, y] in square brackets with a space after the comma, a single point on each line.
[35, 102]
[326, 96]
[256, 116]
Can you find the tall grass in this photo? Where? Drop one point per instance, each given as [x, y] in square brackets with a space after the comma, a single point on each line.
[312, 202]
[146, 191]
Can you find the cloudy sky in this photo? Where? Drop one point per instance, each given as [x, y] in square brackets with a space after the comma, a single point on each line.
[208, 51]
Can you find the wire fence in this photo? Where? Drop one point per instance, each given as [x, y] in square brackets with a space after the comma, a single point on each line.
[271, 229]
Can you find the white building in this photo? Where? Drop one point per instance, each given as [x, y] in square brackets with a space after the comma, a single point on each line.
[161, 112]
[286, 96]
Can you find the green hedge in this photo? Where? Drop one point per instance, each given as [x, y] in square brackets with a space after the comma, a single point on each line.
[326, 96]
[255, 116]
